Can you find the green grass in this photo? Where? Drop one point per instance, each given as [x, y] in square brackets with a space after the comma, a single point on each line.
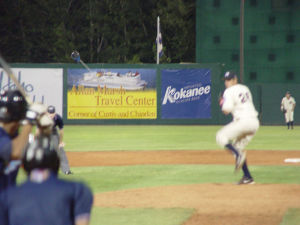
[95, 138]
[117, 216]
[276, 138]
[102, 179]
[114, 138]
[292, 217]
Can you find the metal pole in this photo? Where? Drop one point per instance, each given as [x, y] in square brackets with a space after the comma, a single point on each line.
[85, 66]
[242, 41]
[157, 40]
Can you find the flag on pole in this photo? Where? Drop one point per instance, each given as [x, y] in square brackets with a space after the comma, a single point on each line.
[159, 45]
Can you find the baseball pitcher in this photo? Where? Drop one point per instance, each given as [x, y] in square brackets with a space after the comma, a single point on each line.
[237, 100]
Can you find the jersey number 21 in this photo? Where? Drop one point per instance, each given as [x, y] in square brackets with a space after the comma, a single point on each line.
[244, 97]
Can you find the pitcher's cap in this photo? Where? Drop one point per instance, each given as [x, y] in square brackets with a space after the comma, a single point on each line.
[229, 75]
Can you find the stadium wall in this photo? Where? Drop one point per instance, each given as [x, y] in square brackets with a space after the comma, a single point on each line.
[271, 38]
[266, 96]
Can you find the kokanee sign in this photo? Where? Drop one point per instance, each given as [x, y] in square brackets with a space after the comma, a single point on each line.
[186, 93]
[172, 95]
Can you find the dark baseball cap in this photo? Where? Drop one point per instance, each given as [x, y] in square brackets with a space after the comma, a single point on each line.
[229, 75]
[51, 109]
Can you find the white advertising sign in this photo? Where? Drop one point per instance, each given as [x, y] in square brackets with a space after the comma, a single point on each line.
[41, 85]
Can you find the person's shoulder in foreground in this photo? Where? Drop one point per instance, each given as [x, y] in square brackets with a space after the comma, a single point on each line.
[44, 198]
[53, 201]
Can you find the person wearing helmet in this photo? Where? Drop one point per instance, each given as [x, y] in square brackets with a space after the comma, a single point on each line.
[45, 198]
[58, 133]
[14, 110]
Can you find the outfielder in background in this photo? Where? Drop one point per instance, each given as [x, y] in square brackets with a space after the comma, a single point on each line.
[58, 134]
[237, 100]
[44, 198]
[288, 105]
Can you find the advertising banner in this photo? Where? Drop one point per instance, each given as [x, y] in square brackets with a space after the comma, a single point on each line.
[112, 94]
[186, 93]
[41, 85]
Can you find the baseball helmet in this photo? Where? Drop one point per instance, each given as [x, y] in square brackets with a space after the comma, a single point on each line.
[41, 154]
[51, 109]
[13, 106]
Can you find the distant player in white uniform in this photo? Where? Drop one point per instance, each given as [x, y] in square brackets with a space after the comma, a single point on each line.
[237, 100]
[288, 104]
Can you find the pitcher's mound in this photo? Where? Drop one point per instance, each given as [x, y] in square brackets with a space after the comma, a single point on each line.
[214, 204]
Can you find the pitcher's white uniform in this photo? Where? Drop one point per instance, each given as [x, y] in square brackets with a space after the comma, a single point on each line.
[238, 101]
[288, 104]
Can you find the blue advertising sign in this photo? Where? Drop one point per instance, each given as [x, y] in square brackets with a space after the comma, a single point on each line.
[186, 94]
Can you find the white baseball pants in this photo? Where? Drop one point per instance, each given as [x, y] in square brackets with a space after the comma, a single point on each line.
[289, 116]
[238, 132]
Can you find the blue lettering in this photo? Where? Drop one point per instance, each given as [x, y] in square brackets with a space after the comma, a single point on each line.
[10, 84]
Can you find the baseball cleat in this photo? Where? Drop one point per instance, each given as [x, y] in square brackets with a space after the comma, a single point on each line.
[69, 172]
[246, 180]
[239, 161]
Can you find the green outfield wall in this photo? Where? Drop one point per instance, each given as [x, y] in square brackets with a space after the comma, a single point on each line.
[266, 96]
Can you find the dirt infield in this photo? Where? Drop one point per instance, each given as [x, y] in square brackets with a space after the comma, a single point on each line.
[214, 204]
[124, 158]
